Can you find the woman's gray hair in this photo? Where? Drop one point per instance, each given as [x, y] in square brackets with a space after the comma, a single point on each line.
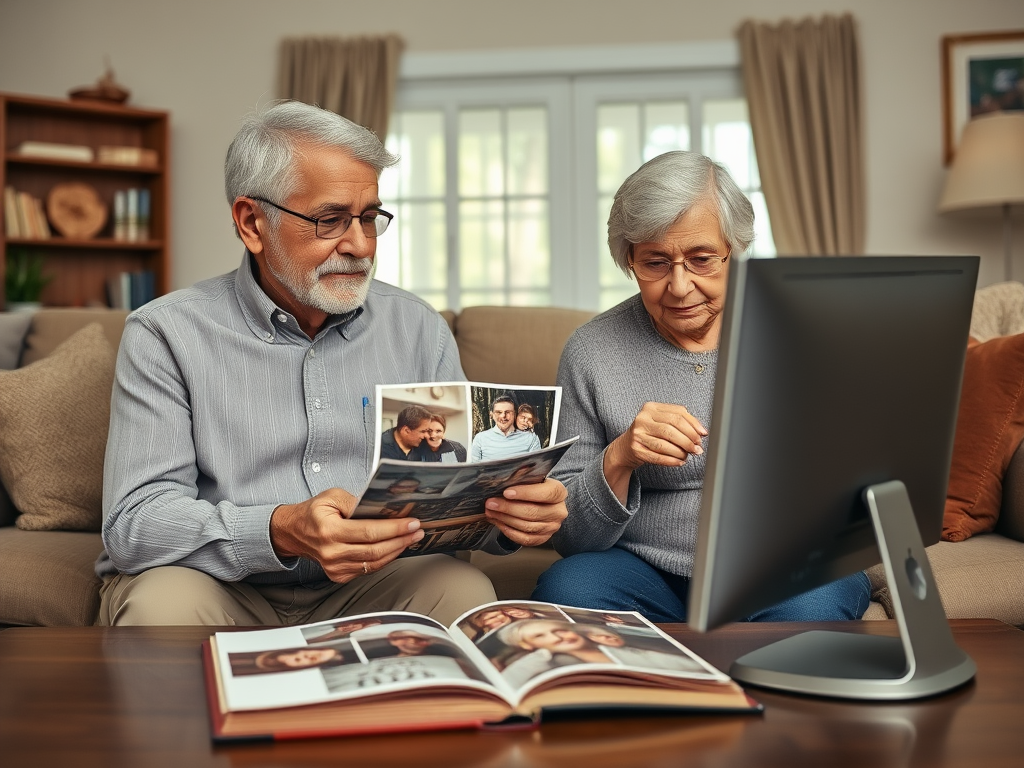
[259, 162]
[664, 188]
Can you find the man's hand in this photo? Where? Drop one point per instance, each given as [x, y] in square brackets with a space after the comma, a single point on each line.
[661, 434]
[529, 514]
[321, 529]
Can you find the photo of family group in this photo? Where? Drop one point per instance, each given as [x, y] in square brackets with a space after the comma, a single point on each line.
[366, 653]
[527, 641]
[458, 422]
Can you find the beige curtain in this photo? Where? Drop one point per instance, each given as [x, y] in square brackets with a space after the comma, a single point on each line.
[802, 82]
[355, 77]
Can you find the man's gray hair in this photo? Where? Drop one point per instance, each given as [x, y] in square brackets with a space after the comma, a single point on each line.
[664, 188]
[260, 163]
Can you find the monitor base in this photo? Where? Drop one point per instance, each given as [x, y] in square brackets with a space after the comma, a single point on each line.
[922, 661]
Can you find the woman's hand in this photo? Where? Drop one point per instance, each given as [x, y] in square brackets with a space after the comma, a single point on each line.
[661, 434]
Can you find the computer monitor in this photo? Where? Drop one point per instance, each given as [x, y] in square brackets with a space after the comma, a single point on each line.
[829, 449]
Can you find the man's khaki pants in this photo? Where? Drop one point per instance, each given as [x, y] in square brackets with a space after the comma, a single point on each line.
[438, 586]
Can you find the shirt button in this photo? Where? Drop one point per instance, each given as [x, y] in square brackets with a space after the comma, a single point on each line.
[312, 352]
[316, 403]
[269, 336]
[282, 318]
[316, 467]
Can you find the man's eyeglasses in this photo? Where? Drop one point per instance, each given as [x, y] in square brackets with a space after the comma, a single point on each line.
[657, 267]
[373, 222]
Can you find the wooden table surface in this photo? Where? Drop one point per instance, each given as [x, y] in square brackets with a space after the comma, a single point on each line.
[135, 697]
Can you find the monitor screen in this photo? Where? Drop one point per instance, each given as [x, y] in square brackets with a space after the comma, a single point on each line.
[835, 374]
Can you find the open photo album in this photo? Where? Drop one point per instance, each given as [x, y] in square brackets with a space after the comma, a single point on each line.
[503, 664]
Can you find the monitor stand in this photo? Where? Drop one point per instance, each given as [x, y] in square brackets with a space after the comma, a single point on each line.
[922, 661]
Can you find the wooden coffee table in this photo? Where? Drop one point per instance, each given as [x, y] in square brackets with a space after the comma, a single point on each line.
[135, 697]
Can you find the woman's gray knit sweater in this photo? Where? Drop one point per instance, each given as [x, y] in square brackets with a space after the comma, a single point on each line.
[609, 368]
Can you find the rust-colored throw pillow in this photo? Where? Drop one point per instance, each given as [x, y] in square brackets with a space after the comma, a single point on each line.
[989, 429]
[54, 416]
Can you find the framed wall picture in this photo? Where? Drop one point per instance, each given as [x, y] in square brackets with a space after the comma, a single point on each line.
[981, 72]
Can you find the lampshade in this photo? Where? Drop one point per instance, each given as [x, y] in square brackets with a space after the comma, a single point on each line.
[988, 168]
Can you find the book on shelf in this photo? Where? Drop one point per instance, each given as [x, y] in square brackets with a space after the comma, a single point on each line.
[120, 215]
[130, 290]
[24, 216]
[142, 230]
[131, 214]
[55, 151]
[503, 664]
[115, 155]
[12, 218]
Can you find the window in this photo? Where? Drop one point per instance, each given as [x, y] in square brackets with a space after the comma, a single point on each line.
[505, 184]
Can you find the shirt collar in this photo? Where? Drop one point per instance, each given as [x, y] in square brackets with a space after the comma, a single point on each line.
[268, 321]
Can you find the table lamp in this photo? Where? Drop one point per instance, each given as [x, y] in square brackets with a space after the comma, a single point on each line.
[988, 171]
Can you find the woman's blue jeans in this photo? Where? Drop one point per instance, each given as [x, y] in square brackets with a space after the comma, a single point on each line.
[617, 580]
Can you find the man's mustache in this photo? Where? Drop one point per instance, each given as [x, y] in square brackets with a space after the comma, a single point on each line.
[344, 265]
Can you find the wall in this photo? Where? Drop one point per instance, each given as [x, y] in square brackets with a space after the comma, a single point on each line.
[211, 62]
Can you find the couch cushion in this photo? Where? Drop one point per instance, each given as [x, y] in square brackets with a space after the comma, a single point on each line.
[54, 417]
[52, 327]
[989, 429]
[514, 576]
[980, 578]
[998, 311]
[47, 578]
[13, 326]
[531, 341]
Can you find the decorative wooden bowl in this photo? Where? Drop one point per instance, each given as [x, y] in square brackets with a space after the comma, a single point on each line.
[75, 210]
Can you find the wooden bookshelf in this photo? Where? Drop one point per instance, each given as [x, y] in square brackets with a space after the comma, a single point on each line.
[81, 268]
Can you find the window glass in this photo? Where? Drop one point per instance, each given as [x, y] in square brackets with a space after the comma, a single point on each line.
[727, 138]
[628, 135]
[502, 187]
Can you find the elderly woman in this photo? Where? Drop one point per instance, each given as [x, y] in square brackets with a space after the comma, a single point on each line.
[637, 387]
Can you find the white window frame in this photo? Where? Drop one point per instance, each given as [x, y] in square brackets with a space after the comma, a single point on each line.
[520, 77]
[451, 94]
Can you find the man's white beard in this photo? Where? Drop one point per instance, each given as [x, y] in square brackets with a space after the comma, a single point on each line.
[308, 289]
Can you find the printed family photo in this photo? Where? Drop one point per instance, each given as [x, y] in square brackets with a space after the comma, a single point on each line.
[510, 421]
[424, 422]
[458, 422]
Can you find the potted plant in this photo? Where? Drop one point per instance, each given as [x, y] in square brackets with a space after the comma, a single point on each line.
[25, 280]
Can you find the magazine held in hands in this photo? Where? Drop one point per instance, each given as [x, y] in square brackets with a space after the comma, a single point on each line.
[444, 448]
[501, 664]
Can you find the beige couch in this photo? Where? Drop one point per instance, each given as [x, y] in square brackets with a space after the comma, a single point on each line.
[46, 577]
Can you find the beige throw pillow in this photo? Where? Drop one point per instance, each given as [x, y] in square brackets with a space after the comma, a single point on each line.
[54, 417]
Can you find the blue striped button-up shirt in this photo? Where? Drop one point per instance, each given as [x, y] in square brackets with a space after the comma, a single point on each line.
[224, 409]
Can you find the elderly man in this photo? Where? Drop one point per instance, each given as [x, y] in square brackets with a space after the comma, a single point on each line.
[411, 428]
[503, 439]
[242, 418]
